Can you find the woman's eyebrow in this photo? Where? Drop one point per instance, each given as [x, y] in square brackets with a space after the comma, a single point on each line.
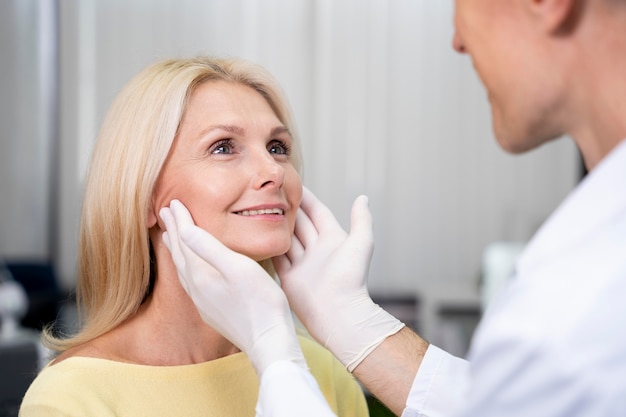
[278, 130]
[235, 130]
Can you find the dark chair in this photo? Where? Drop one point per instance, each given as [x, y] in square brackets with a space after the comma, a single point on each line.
[44, 294]
[20, 355]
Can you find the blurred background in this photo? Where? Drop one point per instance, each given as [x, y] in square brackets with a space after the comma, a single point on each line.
[384, 107]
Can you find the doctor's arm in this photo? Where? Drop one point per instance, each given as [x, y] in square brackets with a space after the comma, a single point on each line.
[324, 276]
[389, 371]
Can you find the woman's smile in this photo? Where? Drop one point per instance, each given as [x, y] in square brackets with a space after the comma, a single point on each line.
[232, 156]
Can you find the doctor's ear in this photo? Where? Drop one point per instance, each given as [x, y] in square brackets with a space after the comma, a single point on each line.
[556, 17]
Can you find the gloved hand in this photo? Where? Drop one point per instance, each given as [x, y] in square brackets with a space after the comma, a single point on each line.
[324, 275]
[232, 292]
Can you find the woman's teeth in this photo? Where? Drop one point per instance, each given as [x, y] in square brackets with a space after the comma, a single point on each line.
[262, 211]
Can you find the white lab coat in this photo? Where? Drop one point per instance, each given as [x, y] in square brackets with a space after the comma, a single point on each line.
[554, 342]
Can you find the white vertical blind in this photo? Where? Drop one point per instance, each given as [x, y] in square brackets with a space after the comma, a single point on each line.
[26, 118]
[384, 105]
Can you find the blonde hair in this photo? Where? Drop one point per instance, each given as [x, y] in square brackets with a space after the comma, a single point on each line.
[115, 263]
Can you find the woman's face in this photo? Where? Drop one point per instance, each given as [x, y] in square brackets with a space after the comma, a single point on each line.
[230, 165]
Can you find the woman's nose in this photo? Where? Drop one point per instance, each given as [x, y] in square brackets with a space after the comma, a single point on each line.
[269, 173]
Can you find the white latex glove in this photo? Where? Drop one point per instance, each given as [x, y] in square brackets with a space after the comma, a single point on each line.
[324, 275]
[232, 292]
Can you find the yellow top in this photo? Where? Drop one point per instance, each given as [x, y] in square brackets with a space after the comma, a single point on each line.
[81, 386]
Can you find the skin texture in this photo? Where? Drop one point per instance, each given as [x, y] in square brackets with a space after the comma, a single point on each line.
[232, 155]
[216, 179]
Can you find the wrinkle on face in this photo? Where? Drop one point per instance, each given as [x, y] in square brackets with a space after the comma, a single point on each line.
[213, 186]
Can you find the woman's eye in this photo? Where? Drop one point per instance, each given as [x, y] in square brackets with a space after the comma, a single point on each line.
[222, 146]
[278, 147]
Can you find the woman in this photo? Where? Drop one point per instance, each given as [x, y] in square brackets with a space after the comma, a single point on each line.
[218, 136]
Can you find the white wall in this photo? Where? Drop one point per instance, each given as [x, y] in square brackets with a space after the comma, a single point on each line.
[384, 105]
[25, 137]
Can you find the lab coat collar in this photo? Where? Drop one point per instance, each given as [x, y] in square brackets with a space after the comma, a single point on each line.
[595, 201]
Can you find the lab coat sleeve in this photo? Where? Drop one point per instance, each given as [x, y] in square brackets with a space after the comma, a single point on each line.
[297, 389]
[439, 387]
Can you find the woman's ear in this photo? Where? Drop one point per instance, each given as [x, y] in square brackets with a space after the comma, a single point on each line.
[151, 218]
[556, 16]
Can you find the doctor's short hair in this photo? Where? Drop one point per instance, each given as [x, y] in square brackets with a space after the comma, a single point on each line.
[115, 260]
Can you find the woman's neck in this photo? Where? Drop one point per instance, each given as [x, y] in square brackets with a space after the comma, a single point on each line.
[167, 330]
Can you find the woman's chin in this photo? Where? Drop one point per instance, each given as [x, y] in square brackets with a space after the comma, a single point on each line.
[263, 255]
[260, 249]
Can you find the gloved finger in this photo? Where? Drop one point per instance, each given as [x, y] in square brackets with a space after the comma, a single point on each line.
[181, 215]
[186, 227]
[305, 230]
[361, 221]
[281, 264]
[205, 246]
[320, 215]
[171, 239]
[172, 236]
[188, 231]
[297, 247]
[166, 240]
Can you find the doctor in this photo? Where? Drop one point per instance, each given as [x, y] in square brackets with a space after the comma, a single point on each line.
[554, 343]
